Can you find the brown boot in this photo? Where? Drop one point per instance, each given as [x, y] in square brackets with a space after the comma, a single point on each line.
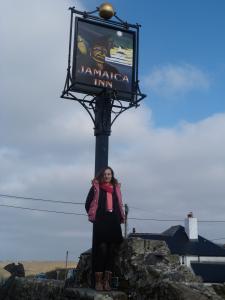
[98, 281]
[107, 280]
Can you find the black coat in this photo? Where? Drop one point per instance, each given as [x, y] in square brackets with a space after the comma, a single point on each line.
[106, 227]
[101, 211]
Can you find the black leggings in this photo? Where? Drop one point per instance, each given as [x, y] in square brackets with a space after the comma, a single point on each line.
[104, 257]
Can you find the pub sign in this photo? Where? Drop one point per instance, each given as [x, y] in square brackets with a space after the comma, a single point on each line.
[103, 59]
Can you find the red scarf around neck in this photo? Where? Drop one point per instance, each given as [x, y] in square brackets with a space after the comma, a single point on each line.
[109, 190]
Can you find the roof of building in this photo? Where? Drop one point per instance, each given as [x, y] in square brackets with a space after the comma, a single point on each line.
[179, 243]
[210, 272]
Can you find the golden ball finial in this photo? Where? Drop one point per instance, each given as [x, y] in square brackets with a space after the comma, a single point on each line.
[106, 11]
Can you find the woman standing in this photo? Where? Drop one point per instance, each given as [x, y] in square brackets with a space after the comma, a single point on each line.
[105, 210]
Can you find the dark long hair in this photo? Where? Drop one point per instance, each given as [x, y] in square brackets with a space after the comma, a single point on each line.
[100, 176]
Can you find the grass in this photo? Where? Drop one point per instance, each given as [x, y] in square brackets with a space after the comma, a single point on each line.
[34, 267]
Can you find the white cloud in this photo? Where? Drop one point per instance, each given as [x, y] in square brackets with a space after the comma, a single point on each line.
[47, 147]
[165, 173]
[175, 80]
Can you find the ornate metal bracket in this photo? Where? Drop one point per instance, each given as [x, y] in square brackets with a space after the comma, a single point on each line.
[117, 106]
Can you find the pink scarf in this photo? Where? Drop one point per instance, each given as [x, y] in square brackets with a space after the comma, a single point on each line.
[109, 190]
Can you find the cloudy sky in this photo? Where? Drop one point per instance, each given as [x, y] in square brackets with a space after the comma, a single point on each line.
[169, 153]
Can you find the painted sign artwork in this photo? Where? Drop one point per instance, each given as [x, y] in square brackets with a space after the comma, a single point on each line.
[103, 59]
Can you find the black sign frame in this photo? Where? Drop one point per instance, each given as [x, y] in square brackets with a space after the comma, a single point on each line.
[119, 103]
[91, 89]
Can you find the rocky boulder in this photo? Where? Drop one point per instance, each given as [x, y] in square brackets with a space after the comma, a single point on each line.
[147, 270]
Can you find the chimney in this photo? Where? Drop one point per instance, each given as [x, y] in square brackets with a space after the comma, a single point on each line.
[191, 227]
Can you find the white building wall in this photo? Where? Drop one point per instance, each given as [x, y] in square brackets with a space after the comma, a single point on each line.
[186, 260]
[191, 228]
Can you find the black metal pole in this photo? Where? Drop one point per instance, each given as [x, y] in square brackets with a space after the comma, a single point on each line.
[102, 131]
[125, 224]
[101, 152]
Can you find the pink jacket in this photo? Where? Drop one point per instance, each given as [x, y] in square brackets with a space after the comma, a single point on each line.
[94, 203]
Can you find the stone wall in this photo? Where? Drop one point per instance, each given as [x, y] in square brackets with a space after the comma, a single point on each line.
[146, 271]
[34, 289]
